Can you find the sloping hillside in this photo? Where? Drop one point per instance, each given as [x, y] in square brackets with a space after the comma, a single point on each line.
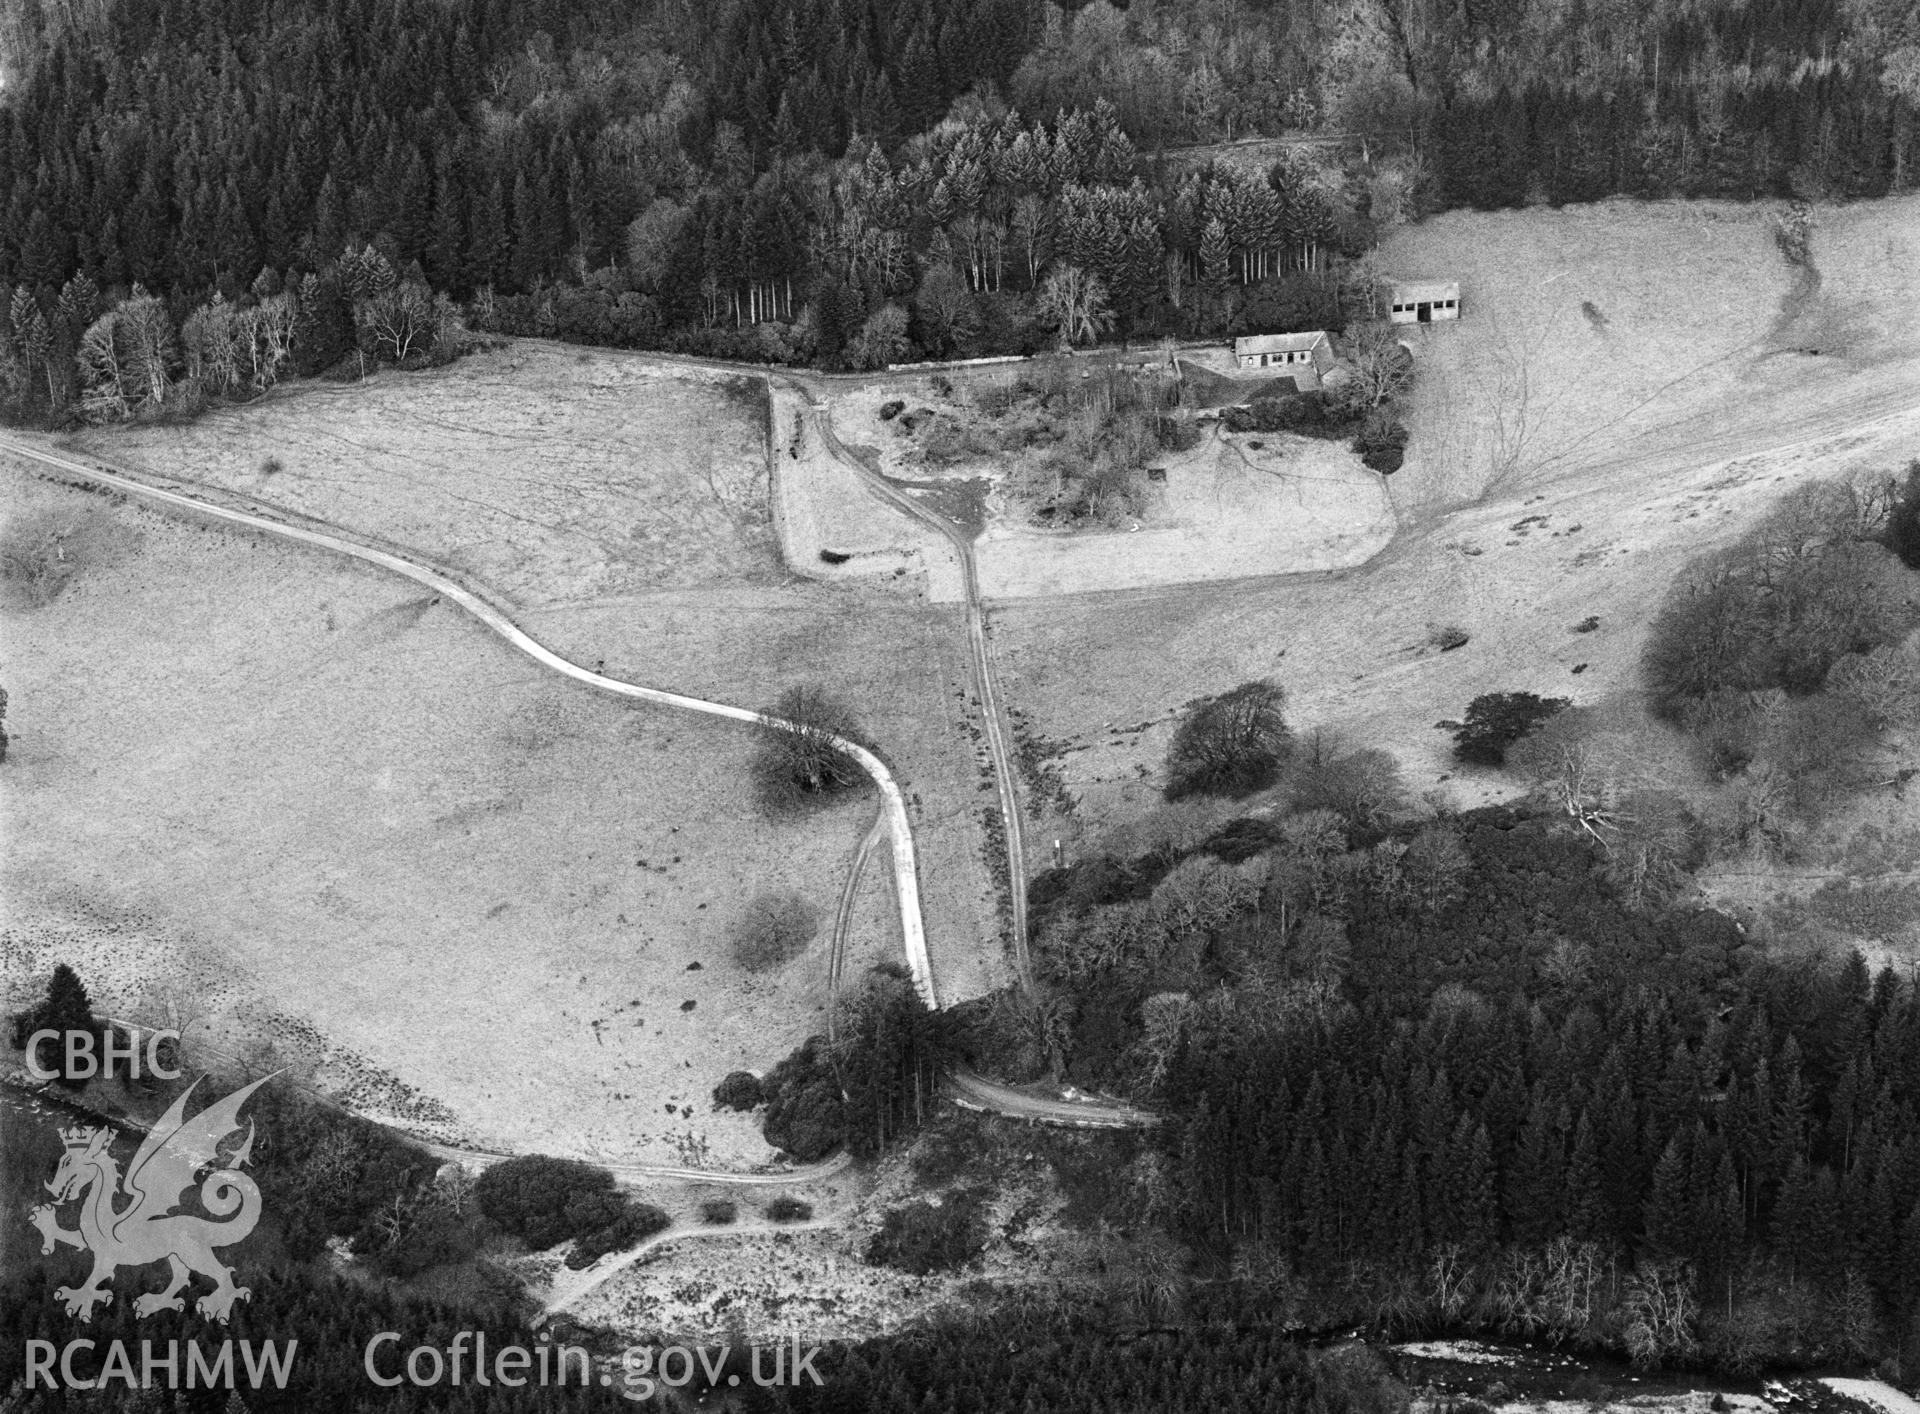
[1563, 468]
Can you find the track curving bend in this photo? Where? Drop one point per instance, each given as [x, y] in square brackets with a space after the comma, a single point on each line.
[893, 812]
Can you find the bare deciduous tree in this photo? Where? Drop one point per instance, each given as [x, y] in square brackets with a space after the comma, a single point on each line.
[1231, 744]
[102, 377]
[1076, 303]
[151, 353]
[397, 322]
[1380, 368]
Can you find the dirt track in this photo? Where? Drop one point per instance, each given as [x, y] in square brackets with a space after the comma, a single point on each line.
[992, 722]
[893, 810]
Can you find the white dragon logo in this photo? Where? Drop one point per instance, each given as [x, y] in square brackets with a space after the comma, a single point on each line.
[148, 1229]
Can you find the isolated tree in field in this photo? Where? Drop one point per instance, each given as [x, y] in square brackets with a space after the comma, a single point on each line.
[1232, 744]
[1075, 303]
[776, 924]
[799, 762]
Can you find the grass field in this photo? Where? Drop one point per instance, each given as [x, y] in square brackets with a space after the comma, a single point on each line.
[1588, 525]
[304, 801]
[302, 794]
[551, 474]
[1646, 335]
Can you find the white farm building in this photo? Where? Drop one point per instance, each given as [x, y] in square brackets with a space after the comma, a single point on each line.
[1307, 357]
[1424, 301]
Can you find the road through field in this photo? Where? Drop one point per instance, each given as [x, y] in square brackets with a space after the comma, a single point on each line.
[993, 723]
[893, 805]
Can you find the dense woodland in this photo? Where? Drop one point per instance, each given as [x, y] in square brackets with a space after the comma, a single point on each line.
[842, 181]
[1505, 1070]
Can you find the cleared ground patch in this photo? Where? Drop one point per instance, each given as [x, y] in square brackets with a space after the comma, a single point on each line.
[830, 524]
[1229, 508]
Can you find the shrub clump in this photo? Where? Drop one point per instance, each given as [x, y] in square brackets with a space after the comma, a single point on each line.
[631, 1224]
[1381, 441]
[804, 1112]
[532, 1197]
[775, 926]
[1903, 521]
[924, 1237]
[785, 1209]
[545, 1201]
[1176, 434]
[1805, 588]
[739, 1090]
[718, 1212]
[1230, 745]
[1496, 720]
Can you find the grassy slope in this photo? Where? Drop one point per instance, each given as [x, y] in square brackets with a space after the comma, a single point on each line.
[621, 505]
[1652, 440]
[286, 785]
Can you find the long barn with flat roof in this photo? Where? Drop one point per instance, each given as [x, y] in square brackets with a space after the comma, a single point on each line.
[1424, 301]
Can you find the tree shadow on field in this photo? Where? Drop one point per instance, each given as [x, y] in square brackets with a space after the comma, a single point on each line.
[43, 549]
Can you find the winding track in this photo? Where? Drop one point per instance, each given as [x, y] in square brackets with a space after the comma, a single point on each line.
[893, 812]
[604, 1271]
[892, 804]
[969, 1090]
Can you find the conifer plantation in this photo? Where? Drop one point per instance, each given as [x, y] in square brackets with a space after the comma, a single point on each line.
[244, 192]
